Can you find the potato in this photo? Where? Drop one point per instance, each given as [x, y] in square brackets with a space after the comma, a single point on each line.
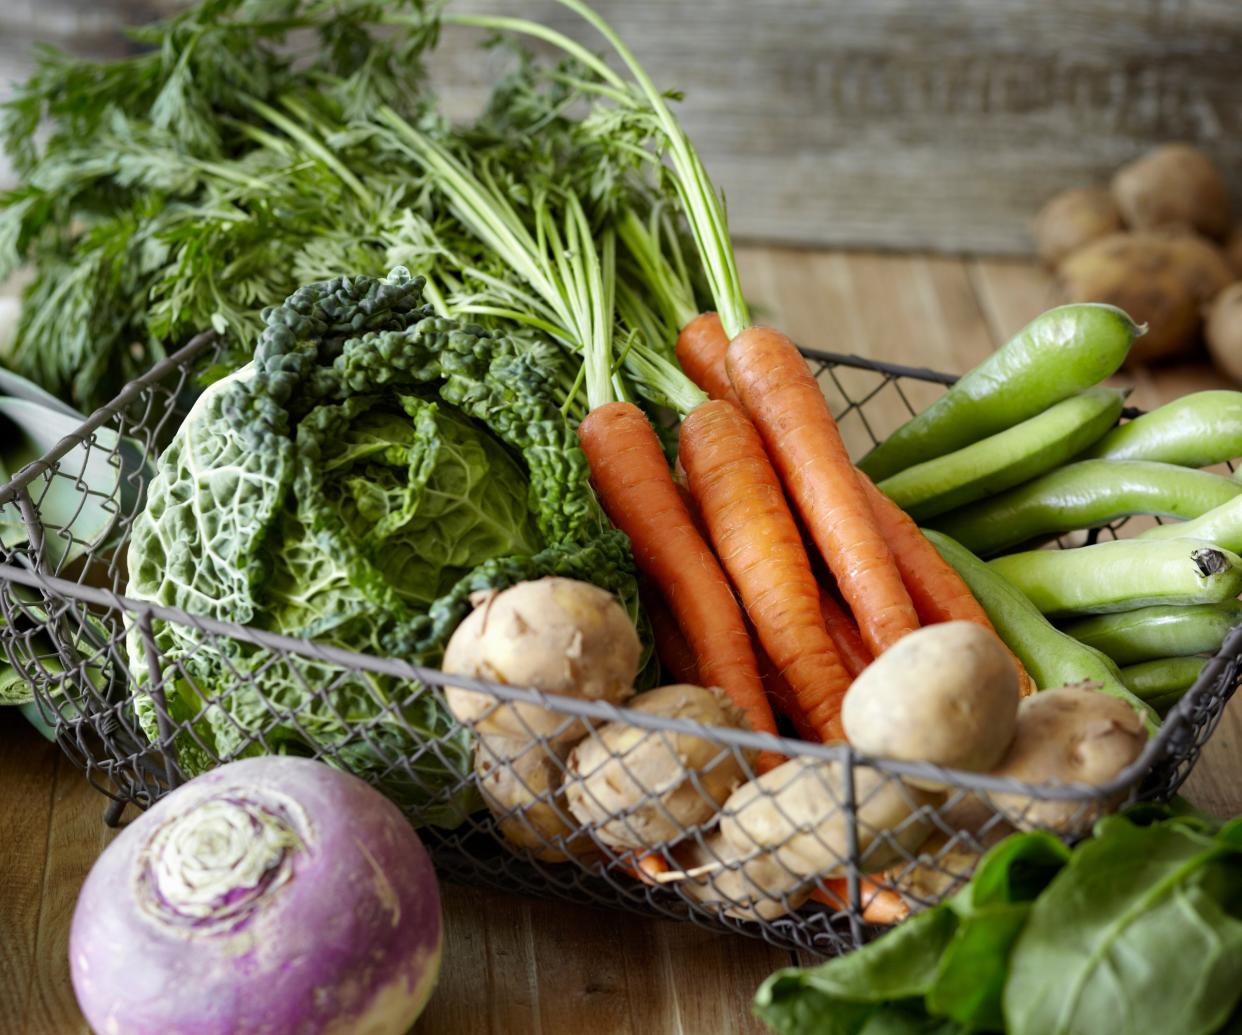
[557, 635]
[796, 811]
[750, 886]
[520, 782]
[1074, 218]
[1174, 186]
[946, 694]
[1073, 734]
[1202, 265]
[1144, 275]
[947, 861]
[638, 788]
[1224, 331]
[1233, 251]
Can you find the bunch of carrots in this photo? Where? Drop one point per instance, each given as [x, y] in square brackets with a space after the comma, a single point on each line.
[774, 568]
[739, 596]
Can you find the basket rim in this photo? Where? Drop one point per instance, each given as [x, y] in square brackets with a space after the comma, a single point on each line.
[143, 611]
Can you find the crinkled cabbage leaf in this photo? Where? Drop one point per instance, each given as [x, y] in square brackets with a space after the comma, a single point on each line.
[370, 469]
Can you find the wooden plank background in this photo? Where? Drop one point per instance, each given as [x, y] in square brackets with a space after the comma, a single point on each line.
[885, 123]
[516, 965]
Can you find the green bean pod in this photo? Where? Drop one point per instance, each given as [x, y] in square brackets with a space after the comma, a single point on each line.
[1221, 525]
[1006, 459]
[1196, 430]
[1158, 679]
[1160, 631]
[1122, 575]
[1057, 354]
[1086, 494]
[1049, 655]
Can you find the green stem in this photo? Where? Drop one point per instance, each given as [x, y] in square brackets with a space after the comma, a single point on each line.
[703, 206]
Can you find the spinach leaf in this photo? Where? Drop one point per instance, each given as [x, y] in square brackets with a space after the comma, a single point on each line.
[854, 994]
[992, 910]
[1140, 934]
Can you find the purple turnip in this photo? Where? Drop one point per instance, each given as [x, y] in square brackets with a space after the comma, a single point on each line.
[273, 896]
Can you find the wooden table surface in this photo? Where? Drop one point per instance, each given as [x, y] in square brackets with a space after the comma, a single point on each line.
[512, 965]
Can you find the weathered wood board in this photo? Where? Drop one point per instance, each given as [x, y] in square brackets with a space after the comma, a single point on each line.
[884, 123]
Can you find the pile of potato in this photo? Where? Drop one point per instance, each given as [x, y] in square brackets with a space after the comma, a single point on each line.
[1159, 242]
[562, 788]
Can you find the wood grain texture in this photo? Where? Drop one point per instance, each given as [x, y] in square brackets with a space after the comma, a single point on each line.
[514, 965]
[894, 124]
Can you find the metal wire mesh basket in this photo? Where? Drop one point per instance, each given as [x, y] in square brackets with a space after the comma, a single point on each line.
[93, 661]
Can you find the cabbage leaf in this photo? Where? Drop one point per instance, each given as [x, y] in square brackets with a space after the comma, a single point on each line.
[371, 468]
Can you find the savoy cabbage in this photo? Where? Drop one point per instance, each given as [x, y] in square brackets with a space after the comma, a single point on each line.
[373, 466]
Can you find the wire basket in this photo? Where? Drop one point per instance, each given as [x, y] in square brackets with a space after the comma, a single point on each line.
[93, 661]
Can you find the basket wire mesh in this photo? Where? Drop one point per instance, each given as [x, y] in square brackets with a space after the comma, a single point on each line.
[67, 626]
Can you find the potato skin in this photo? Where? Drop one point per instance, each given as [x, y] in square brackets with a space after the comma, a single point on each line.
[638, 788]
[1142, 274]
[796, 812]
[520, 781]
[1224, 331]
[1174, 186]
[1233, 251]
[746, 886]
[1072, 219]
[1073, 734]
[558, 635]
[947, 694]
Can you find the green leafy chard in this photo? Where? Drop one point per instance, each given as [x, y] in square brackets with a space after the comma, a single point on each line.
[1138, 929]
[373, 467]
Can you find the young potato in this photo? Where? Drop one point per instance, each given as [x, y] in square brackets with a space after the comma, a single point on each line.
[638, 788]
[1174, 186]
[1224, 331]
[521, 783]
[556, 635]
[797, 812]
[1070, 735]
[1074, 218]
[946, 694]
[1233, 251]
[750, 886]
[1142, 274]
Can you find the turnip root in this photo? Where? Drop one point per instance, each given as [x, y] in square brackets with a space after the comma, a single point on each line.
[638, 788]
[1144, 275]
[1072, 219]
[269, 895]
[1224, 331]
[749, 886]
[556, 635]
[797, 811]
[1174, 186]
[946, 694]
[521, 784]
[1070, 735]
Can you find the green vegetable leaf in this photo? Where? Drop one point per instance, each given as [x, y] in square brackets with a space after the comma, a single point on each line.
[1139, 934]
[882, 982]
[372, 467]
[992, 910]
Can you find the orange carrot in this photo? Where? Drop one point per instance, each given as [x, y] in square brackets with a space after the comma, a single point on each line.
[673, 650]
[938, 592]
[781, 397]
[880, 905]
[701, 347]
[647, 867]
[754, 535]
[632, 479]
[844, 633]
[783, 699]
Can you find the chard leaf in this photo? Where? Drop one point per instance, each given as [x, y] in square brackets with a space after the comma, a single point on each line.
[1139, 933]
